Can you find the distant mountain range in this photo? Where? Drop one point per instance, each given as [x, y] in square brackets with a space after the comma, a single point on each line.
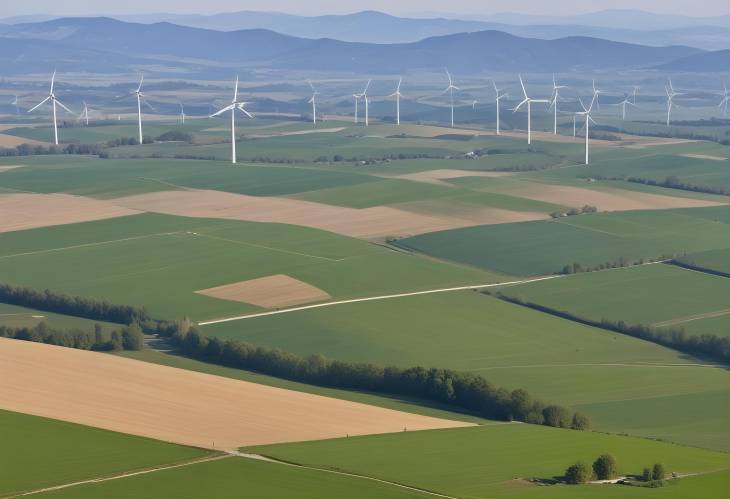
[376, 27]
[103, 44]
[700, 63]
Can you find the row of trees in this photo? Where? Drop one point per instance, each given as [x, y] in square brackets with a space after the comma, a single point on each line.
[606, 468]
[464, 390]
[126, 338]
[574, 211]
[89, 308]
[709, 346]
[37, 150]
[674, 182]
[694, 266]
[620, 262]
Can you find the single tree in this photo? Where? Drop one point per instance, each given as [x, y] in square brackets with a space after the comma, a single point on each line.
[658, 473]
[577, 473]
[605, 467]
[580, 422]
[647, 475]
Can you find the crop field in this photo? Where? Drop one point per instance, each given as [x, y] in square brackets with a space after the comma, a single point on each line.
[663, 296]
[34, 446]
[231, 477]
[490, 461]
[184, 255]
[544, 247]
[712, 260]
[512, 346]
[14, 316]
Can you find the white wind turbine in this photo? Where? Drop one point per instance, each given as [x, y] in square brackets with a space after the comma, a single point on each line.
[474, 104]
[16, 104]
[140, 99]
[364, 96]
[636, 89]
[313, 102]
[85, 114]
[52, 97]
[232, 107]
[527, 100]
[596, 93]
[671, 94]
[182, 114]
[554, 104]
[498, 97]
[587, 113]
[626, 102]
[397, 96]
[451, 89]
[725, 98]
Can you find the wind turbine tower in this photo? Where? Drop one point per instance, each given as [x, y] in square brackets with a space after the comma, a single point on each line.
[587, 113]
[527, 100]
[85, 114]
[233, 107]
[723, 103]
[498, 97]
[397, 96]
[182, 114]
[313, 102]
[554, 104]
[54, 101]
[671, 94]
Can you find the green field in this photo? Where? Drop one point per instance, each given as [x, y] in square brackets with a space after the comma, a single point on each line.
[653, 295]
[159, 261]
[14, 316]
[40, 452]
[492, 461]
[544, 247]
[554, 359]
[233, 478]
[713, 260]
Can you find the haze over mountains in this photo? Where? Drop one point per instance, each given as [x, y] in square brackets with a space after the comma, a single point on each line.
[75, 44]
[377, 27]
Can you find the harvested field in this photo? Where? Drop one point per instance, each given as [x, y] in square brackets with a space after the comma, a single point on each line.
[177, 405]
[13, 141]
[27, 211]
[297, 132]
[604, 199]
[379, 221]
[8, 167]
[704, 156]
[437, 176]
[269, 292]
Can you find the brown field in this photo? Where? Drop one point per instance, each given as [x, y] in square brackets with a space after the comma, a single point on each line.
[604, 199]
[177, 405]
[8, 167]
[437, 176]
[268, 292]
[296, 132]
[369, 223]
[704, 156]
[22, 211]
[13, 141]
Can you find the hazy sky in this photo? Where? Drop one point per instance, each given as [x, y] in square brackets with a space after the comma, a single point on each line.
[314, 7]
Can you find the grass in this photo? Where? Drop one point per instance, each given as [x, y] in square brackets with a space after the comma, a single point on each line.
[655, 295]
[713, 260]
[231, 477]
[544, 247]
[159, 261]
[14, 316]
[554, 359]
[491, 461]
[42, 452]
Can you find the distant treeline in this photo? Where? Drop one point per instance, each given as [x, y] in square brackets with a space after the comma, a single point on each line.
[699, 268]
[52, 301]
[671, 182]
[464, 390]
[40, 150]
[709, 346]
[620, 262]
[127, 338]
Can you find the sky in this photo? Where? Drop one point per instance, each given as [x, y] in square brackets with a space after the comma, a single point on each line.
[398, 7]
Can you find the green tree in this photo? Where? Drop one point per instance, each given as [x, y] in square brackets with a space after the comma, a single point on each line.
[116, 341]
[605, 467]
[647, 475]
[658, 473]
[132, 338]
[580, 422]
[577, 473]
[557, 416]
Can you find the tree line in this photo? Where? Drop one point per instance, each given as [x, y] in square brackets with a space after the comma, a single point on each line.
[699, 268]
[708, 346]
[467, 391]
[40, 150]
[126, 338]
[77, 306]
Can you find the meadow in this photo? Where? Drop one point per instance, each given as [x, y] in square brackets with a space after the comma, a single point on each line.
[42, 452]
[159, 261]
[545, 247]
[712, 260]
[662, 296]
[14, 316]
[490, 461]
[554, 359]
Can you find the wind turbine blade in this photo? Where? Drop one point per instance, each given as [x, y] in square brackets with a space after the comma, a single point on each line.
[141, 79]
[240, 108]
[400, 80]
[367, 87]
[310, 85]
[64, 107]
[39, 104]
[53, 80]
[227, 108]
[582, 105]
[523, 87]
[521, 104]
[235, 91]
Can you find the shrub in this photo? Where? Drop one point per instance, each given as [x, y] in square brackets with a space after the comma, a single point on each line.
[556, 416]
[647, 475]
[577, 473]
[657, 472]
[580, 422]
[605, 467]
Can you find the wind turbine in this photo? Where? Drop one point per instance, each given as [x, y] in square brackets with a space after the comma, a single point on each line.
[725, 98]
[364, 95]
[85, 114]
[596, 93]
[397, 96]
[671, 94]
[451, 89]
[140, 98]
[587, 113]
[527, 100]
[627, 101]
[313, 102]
[182, 114]
[232, 107]
[554, 104]
[498, 97]
[15, 103]
[474, 104]
[52, 97]
[636, 89]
